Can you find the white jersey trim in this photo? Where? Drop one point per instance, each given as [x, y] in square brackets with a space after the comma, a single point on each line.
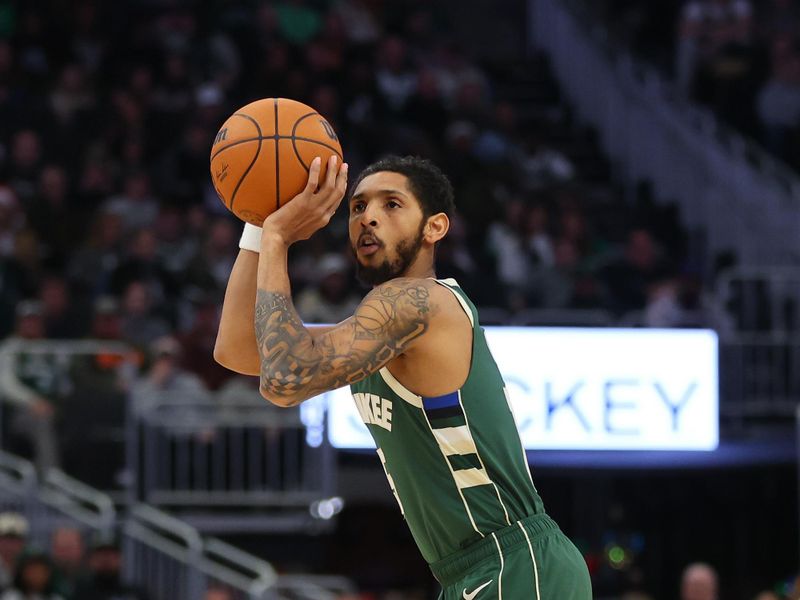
[502, 564]
[399, 389]
[483, 466]
[533, 558]
[447, 283]
[455, 440]
[521, 445]
[467, 478]
[455, 481]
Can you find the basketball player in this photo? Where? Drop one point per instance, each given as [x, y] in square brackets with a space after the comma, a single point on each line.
[421, 374]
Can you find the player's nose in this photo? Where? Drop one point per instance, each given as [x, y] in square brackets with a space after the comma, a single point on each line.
[369, 218]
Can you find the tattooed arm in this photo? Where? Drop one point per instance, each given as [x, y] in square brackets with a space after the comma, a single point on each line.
[236, 347]
[295, 366]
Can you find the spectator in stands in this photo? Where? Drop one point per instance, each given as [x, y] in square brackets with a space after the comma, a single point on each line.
[395, 78]
[13, 537]
[165, 373]
[777, 18]
[681, 302]
[197, 343]
[425, 107]
[779, 100]
[142, 265]
[62, 317]
[28, 259]
[57, 219]
[25, 164]
[699, 582]
[359, 19]
[298, 22]
[218, 592]
[14, 283]
[104, 581]
[93, 263]
[175, 248]
[455, 260]
[135, 206]
[629, 277]
[209, 269]
[541, 165]
[33, 383]
[506, 245]
[636, 596]
[331, 299]
[167, 379]
[140, 323]
[67, 552]
[12, 220]
[184, 169]
[716, 57]
[35, 579]
[707, 28]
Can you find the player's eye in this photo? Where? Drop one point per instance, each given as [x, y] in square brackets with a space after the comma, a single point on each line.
[357, 207]
[393, 204]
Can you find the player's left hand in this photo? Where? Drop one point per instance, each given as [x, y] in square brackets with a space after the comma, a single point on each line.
[312, 208]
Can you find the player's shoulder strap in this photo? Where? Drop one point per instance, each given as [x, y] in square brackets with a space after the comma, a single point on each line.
[463, 300]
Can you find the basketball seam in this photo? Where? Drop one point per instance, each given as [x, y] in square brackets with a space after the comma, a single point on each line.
[277, 159]
[294, 133]
[280, 137]
[252, 162]
[313, 141]
[236, 143]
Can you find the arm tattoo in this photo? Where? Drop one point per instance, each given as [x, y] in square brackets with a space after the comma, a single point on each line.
[295, 365]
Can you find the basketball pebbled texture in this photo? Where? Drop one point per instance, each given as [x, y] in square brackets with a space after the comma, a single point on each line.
[261, 155]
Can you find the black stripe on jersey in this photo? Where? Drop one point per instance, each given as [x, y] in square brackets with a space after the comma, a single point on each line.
[454, 421]
[443, 413]
[459, 462]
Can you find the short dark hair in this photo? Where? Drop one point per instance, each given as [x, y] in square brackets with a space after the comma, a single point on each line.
[427, 182]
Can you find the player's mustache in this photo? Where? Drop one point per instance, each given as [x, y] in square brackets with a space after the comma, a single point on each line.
[368, 235]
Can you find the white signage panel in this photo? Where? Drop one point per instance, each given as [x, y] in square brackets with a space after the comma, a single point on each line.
[592, 389]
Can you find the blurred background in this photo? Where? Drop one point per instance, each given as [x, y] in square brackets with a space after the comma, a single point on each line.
[617, 164]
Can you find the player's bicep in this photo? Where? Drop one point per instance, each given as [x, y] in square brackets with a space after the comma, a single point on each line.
[389, 321]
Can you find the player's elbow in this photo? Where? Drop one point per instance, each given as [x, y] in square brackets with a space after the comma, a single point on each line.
[234, 361]
[281, 399]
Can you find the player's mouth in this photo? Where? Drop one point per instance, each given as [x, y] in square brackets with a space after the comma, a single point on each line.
[368, 245]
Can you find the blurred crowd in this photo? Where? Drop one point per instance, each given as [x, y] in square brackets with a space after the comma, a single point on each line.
[740, 57]
[72, 566]
[78, 565]
[110, 228]
[108, 113]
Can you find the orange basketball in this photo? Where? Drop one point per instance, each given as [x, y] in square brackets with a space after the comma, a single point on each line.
[261, 155]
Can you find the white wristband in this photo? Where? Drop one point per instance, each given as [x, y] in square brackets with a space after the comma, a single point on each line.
[251, 238]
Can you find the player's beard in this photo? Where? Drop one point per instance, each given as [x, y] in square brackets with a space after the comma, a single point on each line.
[407, 252]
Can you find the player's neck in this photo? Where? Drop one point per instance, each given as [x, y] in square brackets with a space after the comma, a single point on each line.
[421, 268]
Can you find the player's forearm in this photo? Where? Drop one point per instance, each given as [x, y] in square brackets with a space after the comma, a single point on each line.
[236, 347]
[289, 360]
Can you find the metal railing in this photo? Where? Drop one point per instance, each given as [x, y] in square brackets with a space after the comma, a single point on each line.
[162, 554]
[742, 197]
[760, 363]
[217, 461]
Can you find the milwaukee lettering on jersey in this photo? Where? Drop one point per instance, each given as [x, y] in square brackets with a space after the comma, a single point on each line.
[374, 410]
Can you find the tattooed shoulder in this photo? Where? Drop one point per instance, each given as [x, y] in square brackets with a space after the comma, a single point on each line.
[295, 366]
[400, 308]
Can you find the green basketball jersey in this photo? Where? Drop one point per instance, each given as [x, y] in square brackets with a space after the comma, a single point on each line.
[455, 463]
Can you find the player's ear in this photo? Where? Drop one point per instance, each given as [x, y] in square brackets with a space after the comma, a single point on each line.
[436, 228]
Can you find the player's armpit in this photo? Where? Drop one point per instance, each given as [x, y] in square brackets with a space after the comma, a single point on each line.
[295, 366]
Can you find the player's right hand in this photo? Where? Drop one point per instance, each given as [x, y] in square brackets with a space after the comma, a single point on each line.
[312, 208]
